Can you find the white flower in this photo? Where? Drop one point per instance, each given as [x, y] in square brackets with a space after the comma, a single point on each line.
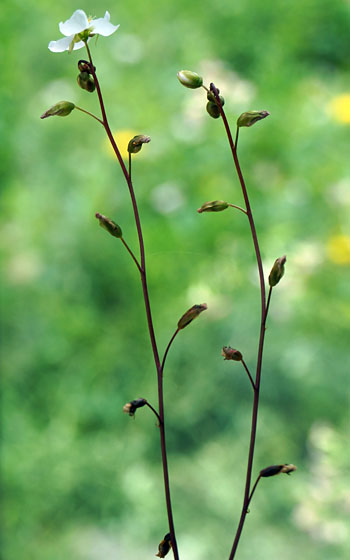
[79, 28]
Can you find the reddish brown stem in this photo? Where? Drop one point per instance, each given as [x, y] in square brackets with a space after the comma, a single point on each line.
[148, 308]
[254, 420]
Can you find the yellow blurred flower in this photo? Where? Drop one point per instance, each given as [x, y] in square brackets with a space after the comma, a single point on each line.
[338, 249]
[122, 138]
[339, 108]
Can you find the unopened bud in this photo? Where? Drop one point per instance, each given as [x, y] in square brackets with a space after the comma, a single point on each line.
[191, 314]
[164, 546]
[135, 143]
[231, 354]
[213, 206]
[109, 225]
[189, 79]
[213, 110]
[131, 407]
[277, 469]
[85, 81]
[251, 117]
[277, 271]
[212, 97]
[61, 109]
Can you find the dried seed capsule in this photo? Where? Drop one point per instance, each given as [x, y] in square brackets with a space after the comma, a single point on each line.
[135, 143]
[231, 354]
[164, 546]
[131, 407]
[273, 470]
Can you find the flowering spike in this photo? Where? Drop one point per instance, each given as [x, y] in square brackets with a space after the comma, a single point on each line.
[190, 79]
[273, 470]
[213, 206]
[277, 271]
[251, 117]
[109, 225]
[191, 314]
[135, 143]
[131, 407]
[231, 354]
[61, 109]
[164, 546]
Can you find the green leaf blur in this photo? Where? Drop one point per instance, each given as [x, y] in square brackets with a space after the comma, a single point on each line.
[81, 479]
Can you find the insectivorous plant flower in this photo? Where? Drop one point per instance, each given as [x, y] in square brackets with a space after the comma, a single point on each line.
[79, 28]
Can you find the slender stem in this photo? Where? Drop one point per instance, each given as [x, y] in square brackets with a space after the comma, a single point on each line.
[148, 309]
[268, 301]
[248, 372]
[131, 253]
[90, 114]
[167, 350]
[154, 411]
[238, 208]
[262, 326]
[253, 490]
[236, 139]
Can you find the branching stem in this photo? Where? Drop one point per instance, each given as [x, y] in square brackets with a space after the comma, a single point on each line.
[147, 305]
[90, 114]
[264, 309]
[249, 375]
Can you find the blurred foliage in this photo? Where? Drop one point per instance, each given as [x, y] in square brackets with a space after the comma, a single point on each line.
[81, 479]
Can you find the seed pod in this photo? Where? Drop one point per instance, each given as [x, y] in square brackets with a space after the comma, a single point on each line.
[109, 225]
[231, 354]
[164, 546]
[85, 81]
[251, 117]
[136, 143]
[213, 110]
[277, 271]
[213, 206]
[191, 314]
[273, 470]
[131, 407]
[61, 109]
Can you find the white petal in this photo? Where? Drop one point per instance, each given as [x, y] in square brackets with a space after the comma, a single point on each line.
[102, 26]
[75, 24]
[61, 45]
[79, 45]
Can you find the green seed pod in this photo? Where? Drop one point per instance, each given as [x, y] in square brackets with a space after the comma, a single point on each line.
[85, 81]
[61, 109]
[277, 271]
[213, 206]
[109, 225]
[251, 117]
[191, 314]
[189, 79]
[211, 97]
[213, 110]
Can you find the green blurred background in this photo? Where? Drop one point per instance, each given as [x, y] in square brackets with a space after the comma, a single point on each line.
[81, 479]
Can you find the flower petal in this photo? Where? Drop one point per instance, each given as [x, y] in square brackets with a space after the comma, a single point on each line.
[75, 24]
[62, 44]
[102, 26]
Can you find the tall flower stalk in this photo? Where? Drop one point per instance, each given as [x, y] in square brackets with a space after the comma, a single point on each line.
[77, 32]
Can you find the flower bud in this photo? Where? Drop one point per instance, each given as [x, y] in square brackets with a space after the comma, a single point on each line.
[191, 314]
[61, 109]
[109, 225]
[164, 546]
[277, 271]
[131, 407]
[211, 97]
[231, 354]
[189, 79]
[84, 66]
[277, 469]
[213, 206]
[135, 143]
[213, 110]
[251, 117]
[85, 81]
